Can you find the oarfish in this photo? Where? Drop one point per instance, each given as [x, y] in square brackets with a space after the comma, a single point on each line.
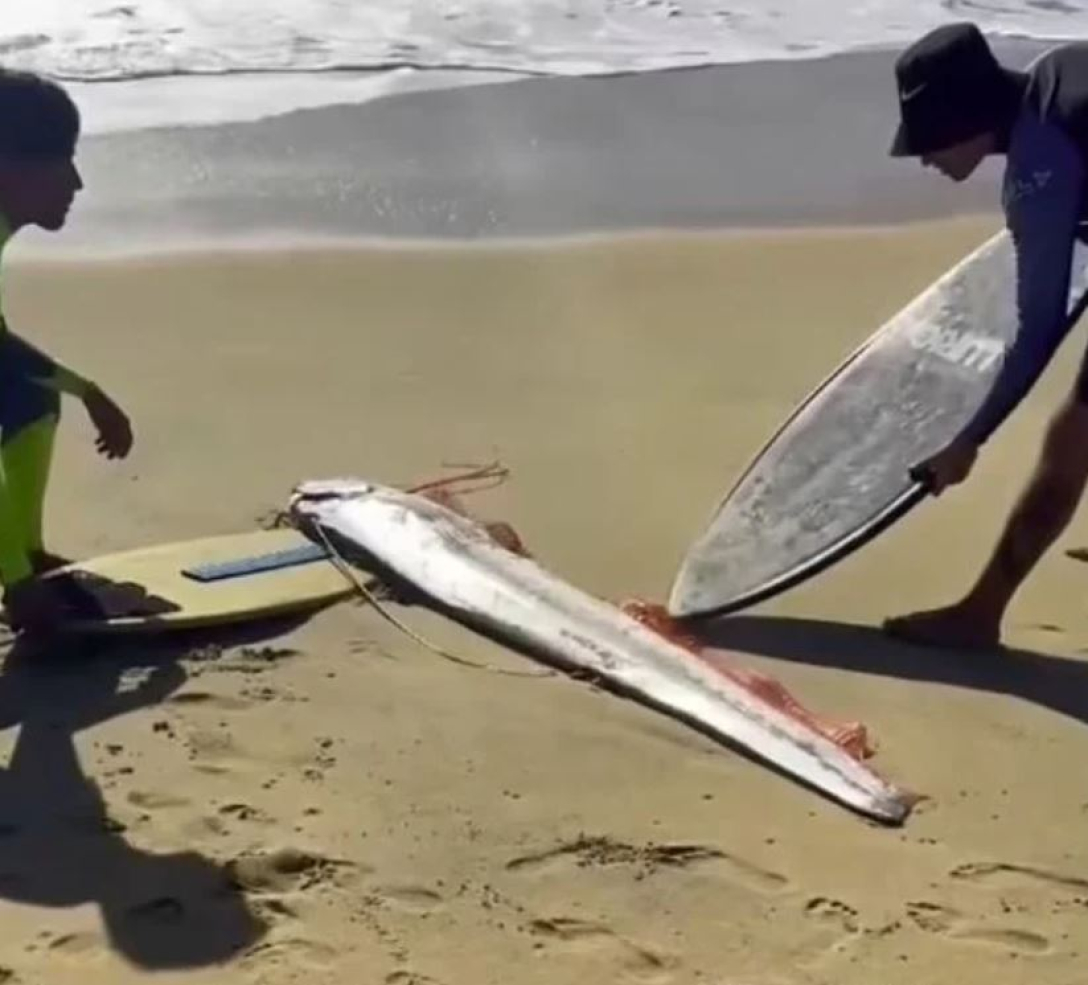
[463, 571]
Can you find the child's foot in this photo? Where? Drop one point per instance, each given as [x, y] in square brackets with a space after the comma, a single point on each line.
[33, 607]
[45, 561]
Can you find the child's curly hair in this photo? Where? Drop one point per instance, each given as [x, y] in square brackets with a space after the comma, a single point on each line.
[37, 117]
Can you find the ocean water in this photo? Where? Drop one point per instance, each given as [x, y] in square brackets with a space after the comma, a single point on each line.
[148, 62]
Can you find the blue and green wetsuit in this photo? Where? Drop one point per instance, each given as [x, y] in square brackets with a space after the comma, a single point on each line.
[31, 385]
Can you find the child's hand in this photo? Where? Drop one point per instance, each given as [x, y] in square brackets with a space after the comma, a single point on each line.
[113, 426]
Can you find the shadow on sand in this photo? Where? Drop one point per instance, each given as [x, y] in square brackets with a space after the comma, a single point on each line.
[1056, 683]
[58, 845]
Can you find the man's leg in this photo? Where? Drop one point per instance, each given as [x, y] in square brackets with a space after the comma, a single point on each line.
[1039, 517]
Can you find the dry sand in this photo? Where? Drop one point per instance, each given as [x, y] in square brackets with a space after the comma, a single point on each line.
[388, 817]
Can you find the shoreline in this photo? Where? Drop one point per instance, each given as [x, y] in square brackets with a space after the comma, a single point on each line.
[30, 250]
[775, 145]
[169, 98]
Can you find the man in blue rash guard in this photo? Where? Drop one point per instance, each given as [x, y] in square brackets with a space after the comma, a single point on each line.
[958, 105]
[39, 128]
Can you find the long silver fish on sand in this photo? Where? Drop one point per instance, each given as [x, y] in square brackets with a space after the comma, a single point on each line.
[460, 568]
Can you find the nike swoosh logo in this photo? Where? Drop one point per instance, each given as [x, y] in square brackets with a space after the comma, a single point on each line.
[908, 94]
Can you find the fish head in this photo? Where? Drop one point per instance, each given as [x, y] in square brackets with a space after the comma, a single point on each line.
[318, 489]
[315, 497]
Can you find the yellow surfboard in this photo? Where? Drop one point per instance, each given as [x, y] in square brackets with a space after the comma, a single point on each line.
[200, 583]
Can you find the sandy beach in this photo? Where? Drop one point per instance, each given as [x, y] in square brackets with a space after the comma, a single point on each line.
[327, 802]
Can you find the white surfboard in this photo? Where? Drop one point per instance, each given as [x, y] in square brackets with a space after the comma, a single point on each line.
[837, 472]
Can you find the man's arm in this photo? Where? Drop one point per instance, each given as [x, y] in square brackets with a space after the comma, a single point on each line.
[1043, 223]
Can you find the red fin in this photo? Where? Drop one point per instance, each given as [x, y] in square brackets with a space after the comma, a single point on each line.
[852, 737]
[499, 531]
[505, 535]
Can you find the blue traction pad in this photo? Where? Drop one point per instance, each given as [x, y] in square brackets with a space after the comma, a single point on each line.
[257, 564]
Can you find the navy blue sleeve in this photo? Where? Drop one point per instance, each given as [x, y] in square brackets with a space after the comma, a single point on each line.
[1043, 198]
[27, 362]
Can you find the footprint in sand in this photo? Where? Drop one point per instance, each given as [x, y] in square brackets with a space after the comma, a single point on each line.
[199, 828]
[749, 875]
[212, 750]
[150, 800]
[245, 812]
[405, 977]
[247, 660]
[932, 918]
[834, 913]
[949, 923]
[596, 939]
[410, 899]
[649, 859]
[1023, 875]
[264, 693]
[1066, 890]
[292, 952]
[205, 699]
[282, 871]
[273, 910]
[77, 947]
[836, 919]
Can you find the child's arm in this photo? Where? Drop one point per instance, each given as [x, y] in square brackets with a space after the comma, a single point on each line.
[113, 426]
[58, 377]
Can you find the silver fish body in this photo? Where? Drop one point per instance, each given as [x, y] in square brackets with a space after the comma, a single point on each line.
[455, 563]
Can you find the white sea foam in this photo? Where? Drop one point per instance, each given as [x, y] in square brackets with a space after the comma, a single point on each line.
[117, 40]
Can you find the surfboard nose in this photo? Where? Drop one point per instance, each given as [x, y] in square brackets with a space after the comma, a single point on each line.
[689, 595]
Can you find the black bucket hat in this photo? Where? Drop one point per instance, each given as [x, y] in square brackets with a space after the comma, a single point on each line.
[951, 88]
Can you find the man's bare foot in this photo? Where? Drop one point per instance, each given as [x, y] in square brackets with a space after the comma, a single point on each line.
[956, 627]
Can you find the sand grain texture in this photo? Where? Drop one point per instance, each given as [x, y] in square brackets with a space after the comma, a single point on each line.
[326, 802]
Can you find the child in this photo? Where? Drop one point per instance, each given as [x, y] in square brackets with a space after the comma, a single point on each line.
[39, 129]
